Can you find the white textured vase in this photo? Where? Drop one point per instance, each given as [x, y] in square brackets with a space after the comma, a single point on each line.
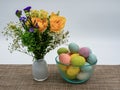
[40, 70]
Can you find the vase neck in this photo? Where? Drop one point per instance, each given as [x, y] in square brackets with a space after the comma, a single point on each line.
[39, 59]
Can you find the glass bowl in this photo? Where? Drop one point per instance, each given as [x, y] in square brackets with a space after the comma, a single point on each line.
[75, 74]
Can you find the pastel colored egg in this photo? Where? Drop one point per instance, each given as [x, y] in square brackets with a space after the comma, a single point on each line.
[62, 67]
[62, 50]
[92, 59]
[70, 77]
[84, 51]
[83, 76]
[86, 68]
[73, 71]
[77, 61]
[73, 55]
[74, 48]
[64, 58]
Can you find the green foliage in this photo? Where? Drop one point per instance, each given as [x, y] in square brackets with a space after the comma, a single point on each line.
[37, 43]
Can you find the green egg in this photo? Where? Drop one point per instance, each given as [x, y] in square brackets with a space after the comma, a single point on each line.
[62, 50]
[78, 61]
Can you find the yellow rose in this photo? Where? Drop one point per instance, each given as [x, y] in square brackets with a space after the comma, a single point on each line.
[39, 13]
[43, 14]
[57, 23]
[34, 13]
[42, 23]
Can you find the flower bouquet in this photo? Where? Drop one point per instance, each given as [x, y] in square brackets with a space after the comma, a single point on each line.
[37, 32]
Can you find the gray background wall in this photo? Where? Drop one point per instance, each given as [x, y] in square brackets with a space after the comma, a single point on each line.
[92, 23]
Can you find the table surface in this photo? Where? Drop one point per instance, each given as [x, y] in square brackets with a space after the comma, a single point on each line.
[19, 77]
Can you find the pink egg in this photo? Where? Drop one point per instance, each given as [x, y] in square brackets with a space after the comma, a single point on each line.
[84, 51]
[64, 58]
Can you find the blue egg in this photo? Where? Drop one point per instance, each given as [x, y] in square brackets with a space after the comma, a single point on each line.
[86, 68]
[74, 48]
[92, 59]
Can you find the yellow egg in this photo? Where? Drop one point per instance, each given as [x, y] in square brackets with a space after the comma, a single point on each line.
[77, 61]
[73, 71]
[70, 77]
[73, 55]
[62, 67]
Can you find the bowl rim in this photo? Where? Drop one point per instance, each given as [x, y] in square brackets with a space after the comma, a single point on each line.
[58, 62]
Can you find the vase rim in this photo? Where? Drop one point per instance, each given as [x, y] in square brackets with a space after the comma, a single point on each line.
[39, 59]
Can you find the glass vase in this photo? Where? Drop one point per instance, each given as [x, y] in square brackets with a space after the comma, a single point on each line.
[40, 70]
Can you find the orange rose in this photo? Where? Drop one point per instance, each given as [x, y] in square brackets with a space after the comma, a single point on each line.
[57, 23]
[42, 23]
[35, 21]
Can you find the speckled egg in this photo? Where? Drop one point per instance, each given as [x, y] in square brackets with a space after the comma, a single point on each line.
[64, 58]
[74, 48]
[92, 59]
[86, 68]
[73, 71]
[84, 51]
[83, 76]
[77, 61]
[62, 50]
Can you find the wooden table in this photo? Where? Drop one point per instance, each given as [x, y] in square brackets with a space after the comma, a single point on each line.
[19, 77]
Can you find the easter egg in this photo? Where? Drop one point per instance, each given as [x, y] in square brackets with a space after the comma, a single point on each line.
[77, 61]
[73, 55]
[86, 68]
[62, 50]
[73, 71]
[70, 77]
[83, 76]
[74, 48]
[64, 58]
[92, 59]
[62, 67]
[84, 51]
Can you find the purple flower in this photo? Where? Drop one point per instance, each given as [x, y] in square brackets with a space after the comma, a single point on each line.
[27, 9]
[18, 13]
[31, 30]
[23, 19]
